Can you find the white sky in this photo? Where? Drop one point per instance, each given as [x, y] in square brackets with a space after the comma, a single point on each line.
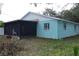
[15, 9]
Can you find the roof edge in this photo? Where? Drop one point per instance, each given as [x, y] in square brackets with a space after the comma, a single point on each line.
[49, 17]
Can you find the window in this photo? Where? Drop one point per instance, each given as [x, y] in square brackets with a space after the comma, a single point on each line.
[65, 25]
[75, 27]
[46, 26]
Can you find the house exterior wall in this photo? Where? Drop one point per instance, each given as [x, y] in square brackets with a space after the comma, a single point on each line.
[33, 17]
[77, 29]
[50, 33]
[41, 32]
[56, 30]
[70, 29]
[1, 31]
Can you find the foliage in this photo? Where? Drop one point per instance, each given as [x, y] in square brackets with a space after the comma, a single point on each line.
[1, 24]
[67, 14]
[75, 51]
[72, 14]
[49, 12]
[8, 48]
[75, 11]
[33, 46]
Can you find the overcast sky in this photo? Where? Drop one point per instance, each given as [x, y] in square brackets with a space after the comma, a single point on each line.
[15, 9]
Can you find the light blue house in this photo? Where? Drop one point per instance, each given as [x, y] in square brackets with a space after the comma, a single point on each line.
[52, 27]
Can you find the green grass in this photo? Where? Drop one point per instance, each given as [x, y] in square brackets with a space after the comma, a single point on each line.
[47, 47]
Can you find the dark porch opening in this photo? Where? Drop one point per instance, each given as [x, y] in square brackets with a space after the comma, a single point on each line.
[20, 28]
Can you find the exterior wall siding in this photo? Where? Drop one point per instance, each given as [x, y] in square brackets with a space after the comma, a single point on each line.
[1, 31]
[41, 32]
[56, 30]
[77, 29]
[50, 33]
[70, 29]
[33, 17]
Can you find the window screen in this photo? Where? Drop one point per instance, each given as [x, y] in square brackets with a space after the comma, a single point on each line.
[46, 26]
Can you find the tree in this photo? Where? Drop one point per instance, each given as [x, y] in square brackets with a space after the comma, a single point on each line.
[75, 11]
[67, 14]
[49, 12]
[1, 24]
[35, 4]
[72, 14]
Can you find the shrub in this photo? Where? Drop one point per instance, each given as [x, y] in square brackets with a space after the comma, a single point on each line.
[8, 48]
[1, 24]
[75, 51]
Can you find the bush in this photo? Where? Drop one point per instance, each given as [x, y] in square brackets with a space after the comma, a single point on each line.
[8, 48]
[1, 24]
[75, 51]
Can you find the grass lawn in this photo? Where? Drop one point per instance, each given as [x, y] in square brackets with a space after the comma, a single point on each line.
[47, 47]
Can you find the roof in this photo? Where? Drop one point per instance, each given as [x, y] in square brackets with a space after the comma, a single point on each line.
[45, 17]
[18, 20]
[49, 17]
